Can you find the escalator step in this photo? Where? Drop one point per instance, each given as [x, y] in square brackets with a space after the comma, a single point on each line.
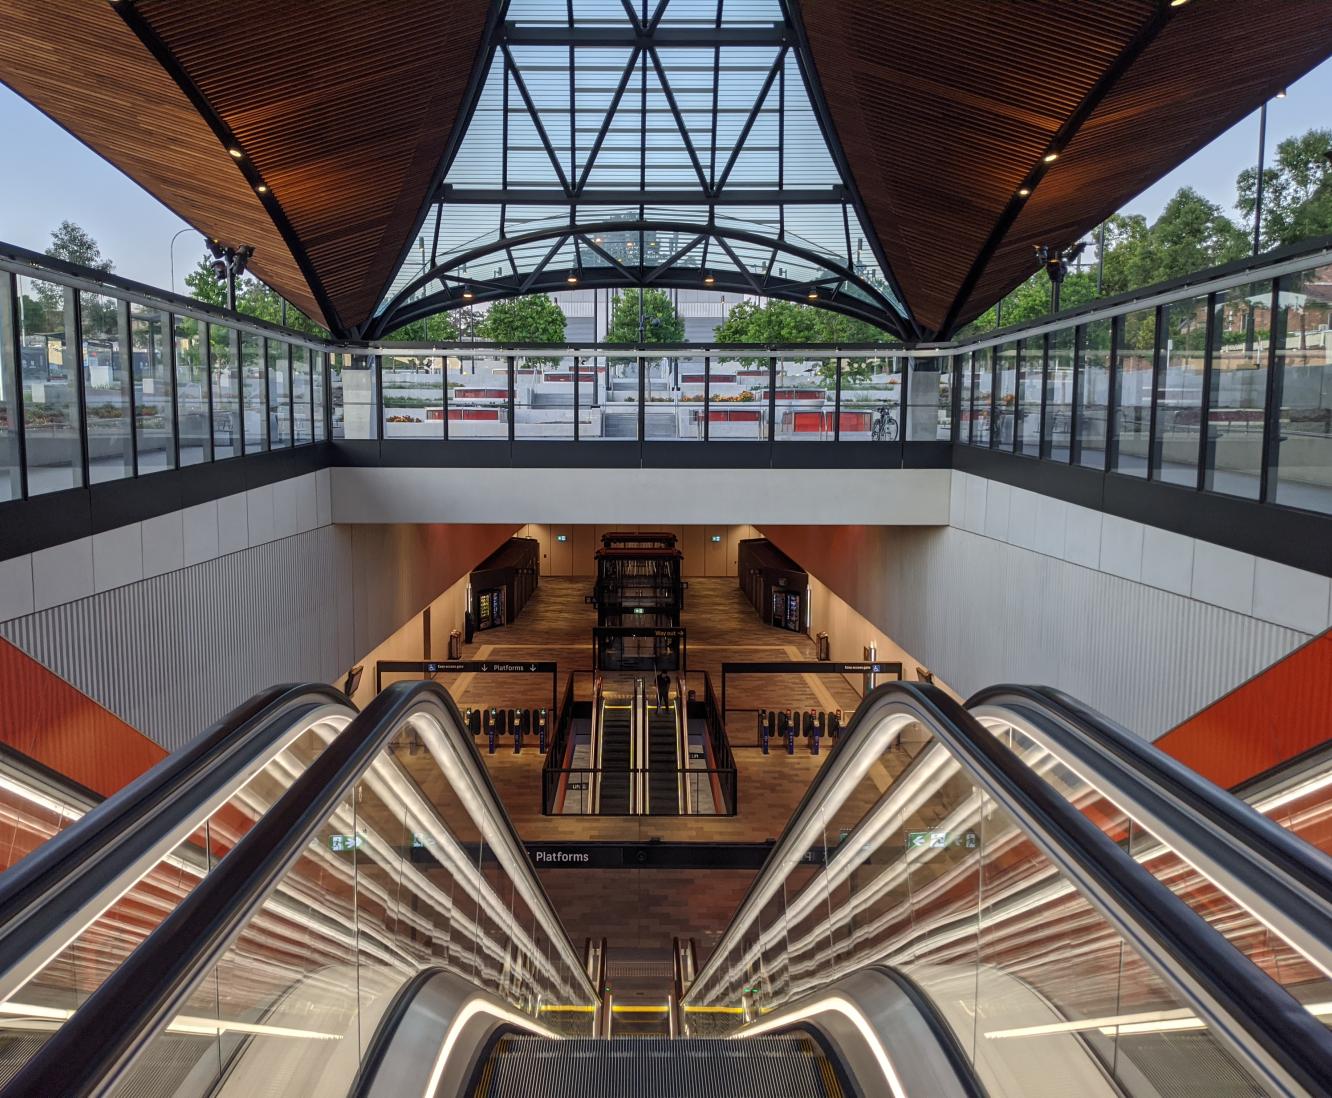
[760, 1067]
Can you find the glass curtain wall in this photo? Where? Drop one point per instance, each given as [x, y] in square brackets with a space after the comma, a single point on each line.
[224, 372]
[106, 389]
[11, 434]
[1031, 367]
[52, 418]
[1300, 452]
[1057, 429]
[1179, 392]
[1135, 355]
[278, 355]
[1005, 404]
[255, 385]
[414, 386]
[806, 394]
[302, 395]
[982, 388]
[192, 392]
[1241, 340]
[1093, 393]
[154, 422]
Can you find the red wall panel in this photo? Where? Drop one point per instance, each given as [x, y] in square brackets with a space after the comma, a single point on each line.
[45, 718]
[1275, 716]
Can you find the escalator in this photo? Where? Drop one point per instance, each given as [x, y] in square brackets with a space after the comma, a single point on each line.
[663, 752]
[766, 1067]
[962, 905]
[616, 756]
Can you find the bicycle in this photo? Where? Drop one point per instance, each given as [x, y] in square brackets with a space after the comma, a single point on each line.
[884, 428]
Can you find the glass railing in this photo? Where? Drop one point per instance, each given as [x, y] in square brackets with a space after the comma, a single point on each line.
[120, 868]
[389, 857]
[1220, 382]
[908, 854]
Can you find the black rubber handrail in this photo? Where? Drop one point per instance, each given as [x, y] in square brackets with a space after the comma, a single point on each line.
[68, 871]
[114, 1024]
[1303, 863]
[938, 1025]
[1268, 1029]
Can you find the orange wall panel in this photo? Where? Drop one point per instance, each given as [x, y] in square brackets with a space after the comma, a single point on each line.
[1275, 716]
[46, 719]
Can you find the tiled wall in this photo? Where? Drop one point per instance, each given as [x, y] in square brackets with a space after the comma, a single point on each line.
[1184, 566]
[172, 622]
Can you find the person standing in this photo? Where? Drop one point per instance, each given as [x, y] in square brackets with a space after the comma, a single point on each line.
[663, 690]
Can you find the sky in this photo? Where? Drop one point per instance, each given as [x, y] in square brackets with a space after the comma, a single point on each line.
[51, 176]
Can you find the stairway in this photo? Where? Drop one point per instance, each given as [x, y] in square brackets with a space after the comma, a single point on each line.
[759, 1067]
[663, 786]
[616, 726]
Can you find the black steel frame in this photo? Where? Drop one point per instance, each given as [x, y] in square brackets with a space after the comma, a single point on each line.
[644, 38]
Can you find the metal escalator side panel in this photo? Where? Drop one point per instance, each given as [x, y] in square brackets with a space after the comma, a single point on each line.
[437, 1038]
[882, 1034]
[55, 895]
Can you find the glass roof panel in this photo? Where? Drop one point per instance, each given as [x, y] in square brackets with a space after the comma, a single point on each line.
[644, 125]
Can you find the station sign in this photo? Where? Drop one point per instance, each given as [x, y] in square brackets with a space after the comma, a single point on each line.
[939, 840]
[813, 667]
[656, 855]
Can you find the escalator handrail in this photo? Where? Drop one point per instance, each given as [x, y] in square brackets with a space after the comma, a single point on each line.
[72, 868]
[113, 1025]
[1305, 865]
[1284, 880]
[1257, 1019]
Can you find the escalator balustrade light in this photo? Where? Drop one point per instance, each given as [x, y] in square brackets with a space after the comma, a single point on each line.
[24, 1014]
[1151, 1021]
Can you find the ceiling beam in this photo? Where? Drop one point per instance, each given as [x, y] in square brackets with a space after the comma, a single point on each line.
[631, 196]
[628, 37]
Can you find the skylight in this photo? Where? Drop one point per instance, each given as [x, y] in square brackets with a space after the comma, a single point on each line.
[628, 142]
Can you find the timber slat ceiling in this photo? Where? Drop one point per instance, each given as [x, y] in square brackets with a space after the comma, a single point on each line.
[78, 62]
[345, 109]
[944, 111]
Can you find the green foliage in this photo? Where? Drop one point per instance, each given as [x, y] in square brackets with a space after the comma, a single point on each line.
[437, 328]
[661, 323]
[531, 319]
[73, 244]
[1297, 190]
[253, 298]
[776, 322]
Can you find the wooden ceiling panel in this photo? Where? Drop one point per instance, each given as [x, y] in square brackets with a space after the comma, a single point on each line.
[945, 110]
[1209, 66]
[942, 109]
[344, 108]
[129, 111]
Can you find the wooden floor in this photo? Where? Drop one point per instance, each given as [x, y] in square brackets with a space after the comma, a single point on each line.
[643, 909]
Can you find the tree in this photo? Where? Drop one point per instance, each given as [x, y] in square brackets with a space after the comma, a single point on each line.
[660, 322]
[776, 321]
[73, 244]
[534, 318]
[1297, 190]
[253, 298]
[436, 328]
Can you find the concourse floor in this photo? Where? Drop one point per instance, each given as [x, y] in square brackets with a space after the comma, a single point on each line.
[642, 909]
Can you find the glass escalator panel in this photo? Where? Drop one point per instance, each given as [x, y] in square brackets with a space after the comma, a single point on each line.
[1243, 928]
[40, 1005]
[402, 877]
[911, 865]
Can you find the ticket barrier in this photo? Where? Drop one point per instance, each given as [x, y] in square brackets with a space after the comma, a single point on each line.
[472, 721]
[788, 725]
[765, 722]
[835, 724]
[520, 723]
[816, 726]
[496, 719]
[542, 728]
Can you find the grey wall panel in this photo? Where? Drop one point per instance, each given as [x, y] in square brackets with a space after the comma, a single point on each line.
[172, 654]
[980, 611]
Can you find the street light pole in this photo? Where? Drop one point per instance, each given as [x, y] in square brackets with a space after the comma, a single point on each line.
[1258, 194]
[171, 250]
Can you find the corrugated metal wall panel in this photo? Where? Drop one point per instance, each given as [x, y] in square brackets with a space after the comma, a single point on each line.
[980, 611]
[171, 654]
